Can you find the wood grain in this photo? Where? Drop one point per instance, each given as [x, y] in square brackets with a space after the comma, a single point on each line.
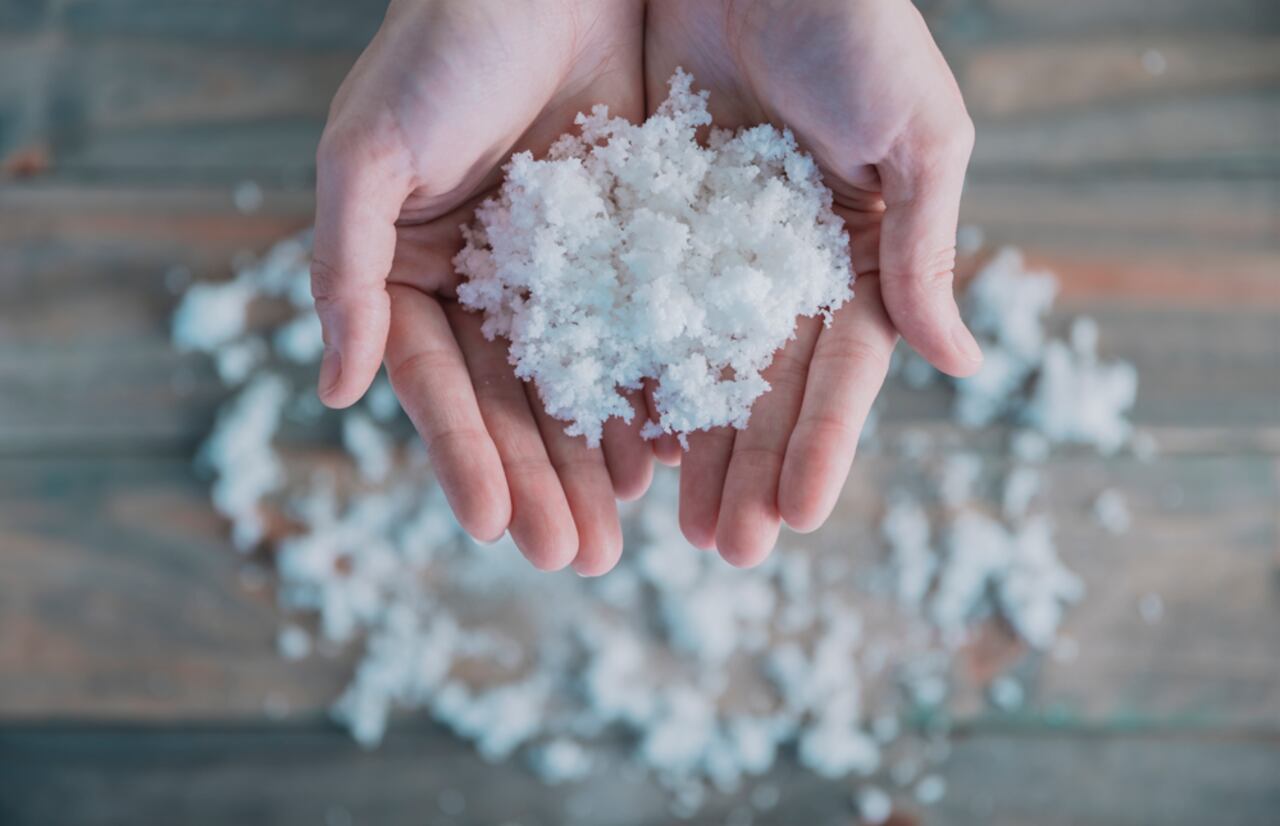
[286, 774]
[119, 579]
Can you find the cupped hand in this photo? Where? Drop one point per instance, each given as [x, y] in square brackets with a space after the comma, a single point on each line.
[866, 91]
[416, 137]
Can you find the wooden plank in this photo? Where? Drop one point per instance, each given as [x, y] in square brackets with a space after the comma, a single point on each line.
[1160, 137]
[123, 599]
[1002, 79]
[84, 307]
[1023, 19]
[1230, 131]
[94, 776]
[1207, 216]
[22, 15]
[130, 107]
[319, 23]
[122, 83]
[118, 580]
[24, 71]
[1203, 542]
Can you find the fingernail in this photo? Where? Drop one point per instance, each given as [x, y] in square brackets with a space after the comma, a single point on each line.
[330, 371]
[965, 343]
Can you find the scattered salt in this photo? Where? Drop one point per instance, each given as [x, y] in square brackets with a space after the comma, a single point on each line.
[653, 651]
[561, 760]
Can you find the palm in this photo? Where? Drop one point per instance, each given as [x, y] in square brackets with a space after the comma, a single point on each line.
[439, 101]
[835, 73]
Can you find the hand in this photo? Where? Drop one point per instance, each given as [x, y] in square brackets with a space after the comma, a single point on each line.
[865, 90]
[416, 137]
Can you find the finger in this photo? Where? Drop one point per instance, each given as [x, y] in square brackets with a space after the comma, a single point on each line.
[846, 372]
[357, 201]
[588, 489]
[749, 519]
[922, 182]
[626, 454]
[666, 447]
[541, 522]
[429, 375]
[702, 474]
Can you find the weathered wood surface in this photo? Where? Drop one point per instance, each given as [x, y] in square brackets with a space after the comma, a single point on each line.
[134, 90]
[306, 774]
[85, 306]
[1129, 145]
[121, 599]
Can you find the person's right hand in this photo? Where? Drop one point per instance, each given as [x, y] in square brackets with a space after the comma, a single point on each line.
[417, 134]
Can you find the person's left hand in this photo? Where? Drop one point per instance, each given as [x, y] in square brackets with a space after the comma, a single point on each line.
[865, 90]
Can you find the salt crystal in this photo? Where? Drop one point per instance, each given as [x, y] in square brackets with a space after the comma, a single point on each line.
[1154, 62]
[930, 789]
[960, 473]
[1006, 693]
[1020, 487]
[1111, 511]
[634, 252]
[293, 642]
[873, 804]
[247, 197]
[561, 760]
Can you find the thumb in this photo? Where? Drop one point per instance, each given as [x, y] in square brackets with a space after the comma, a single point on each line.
[357, 203]
[921, 187]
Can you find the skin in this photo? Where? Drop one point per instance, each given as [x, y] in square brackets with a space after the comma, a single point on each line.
[448, 89]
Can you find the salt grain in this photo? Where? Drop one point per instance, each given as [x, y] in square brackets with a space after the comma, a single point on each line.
[247, 197]
[930, 789]
[1006, 693]
[1112, 511]
[873, 804]
[293, 642]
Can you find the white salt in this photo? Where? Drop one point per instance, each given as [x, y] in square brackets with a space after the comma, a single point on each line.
[1112, 511]
[633, 252]
[930, 789]
[1020, 487]
[1154, 62]
[293, 642]
[873, 805]
[561, 760]
[1006, 693]
[247, 197]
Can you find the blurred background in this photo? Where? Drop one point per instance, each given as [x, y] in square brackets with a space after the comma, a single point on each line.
[1131, 146]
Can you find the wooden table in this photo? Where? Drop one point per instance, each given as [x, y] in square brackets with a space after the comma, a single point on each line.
[1133, 146]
